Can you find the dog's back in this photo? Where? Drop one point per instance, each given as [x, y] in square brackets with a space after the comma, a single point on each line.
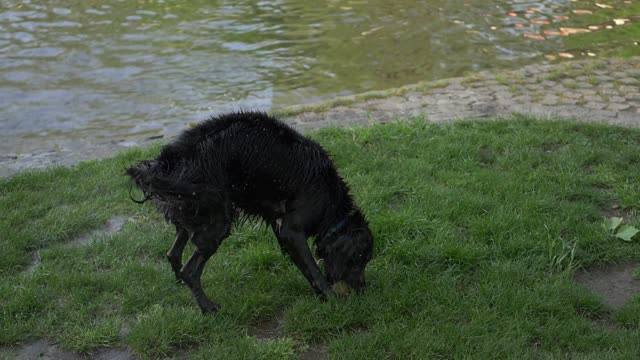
[260, 163]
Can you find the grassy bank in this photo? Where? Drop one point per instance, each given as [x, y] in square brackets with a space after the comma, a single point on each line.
[479, 227]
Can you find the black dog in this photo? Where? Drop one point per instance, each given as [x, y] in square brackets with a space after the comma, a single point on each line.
[251, 163]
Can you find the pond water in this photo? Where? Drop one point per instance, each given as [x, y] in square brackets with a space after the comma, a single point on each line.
[87, 71]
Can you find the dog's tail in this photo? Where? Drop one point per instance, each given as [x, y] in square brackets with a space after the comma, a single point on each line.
[155, 182]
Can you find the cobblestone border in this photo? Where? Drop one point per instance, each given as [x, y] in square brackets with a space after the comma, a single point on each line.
[602, 91]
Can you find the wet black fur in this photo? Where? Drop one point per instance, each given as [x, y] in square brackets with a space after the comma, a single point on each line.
[253, 164]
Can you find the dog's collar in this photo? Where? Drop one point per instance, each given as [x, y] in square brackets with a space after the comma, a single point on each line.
[339, 225]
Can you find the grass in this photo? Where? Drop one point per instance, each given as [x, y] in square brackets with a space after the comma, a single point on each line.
[478, 229]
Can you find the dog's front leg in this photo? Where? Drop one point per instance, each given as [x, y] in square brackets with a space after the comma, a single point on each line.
[206, 242]
[295, 242]
[174, 256]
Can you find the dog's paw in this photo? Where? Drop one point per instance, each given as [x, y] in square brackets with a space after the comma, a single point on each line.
[325, 294]
[210, 308]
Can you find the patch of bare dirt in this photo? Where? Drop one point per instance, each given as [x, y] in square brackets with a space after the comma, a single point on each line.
[273, 329]
[34, 263]
[614, 209]
[112, 354]
[42, 349]
[112, 226]
[268, 330]
[614, 283]
[315, 352]
[125, 329]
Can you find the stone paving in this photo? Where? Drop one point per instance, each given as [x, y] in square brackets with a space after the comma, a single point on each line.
[591, 90]
[601, 91]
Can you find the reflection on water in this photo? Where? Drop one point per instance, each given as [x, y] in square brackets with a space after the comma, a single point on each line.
[90, 69]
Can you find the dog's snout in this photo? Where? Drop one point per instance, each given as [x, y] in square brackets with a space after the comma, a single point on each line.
[357, 281]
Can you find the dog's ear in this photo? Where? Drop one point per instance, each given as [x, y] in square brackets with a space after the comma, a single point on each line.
[350, 245]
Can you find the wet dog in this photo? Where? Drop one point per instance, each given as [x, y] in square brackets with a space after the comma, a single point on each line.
[250, 164]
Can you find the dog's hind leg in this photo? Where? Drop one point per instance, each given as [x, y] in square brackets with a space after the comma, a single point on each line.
[174, 256]
[206, 239]
[295, 244]
[275, 226]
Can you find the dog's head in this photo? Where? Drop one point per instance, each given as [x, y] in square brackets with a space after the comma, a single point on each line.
[346, 256]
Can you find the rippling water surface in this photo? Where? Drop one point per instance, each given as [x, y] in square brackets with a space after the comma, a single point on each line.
[84, 72]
